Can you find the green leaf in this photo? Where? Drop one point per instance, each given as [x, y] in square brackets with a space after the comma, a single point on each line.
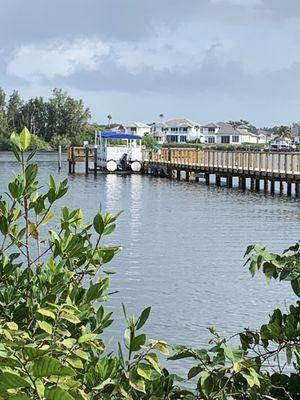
[95, 291]
[75, 362]
[137, 382]
[46, 313]
[143, 318]
[289, 354]
[15, 140]
[25, 138]
[145, 371]
[70, 317]
[48, 217]
[137, 342]
[80, 353]
[45, 327]
[194, 371]
[68, 343]
[249, 378]
[58, 394]
[47, 366]
[161, 346]
[98, 224]
[153, 361]
[87, 337]
[12, 326]
[11, 381]
[234, 355]
[207, 384]
[33, 230]
[296, 286]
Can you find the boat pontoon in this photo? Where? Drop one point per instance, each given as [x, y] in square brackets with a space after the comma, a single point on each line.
[119, 151]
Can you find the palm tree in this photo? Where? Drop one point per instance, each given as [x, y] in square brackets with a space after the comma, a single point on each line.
[283, 132]
[109, 117]
[161, 116]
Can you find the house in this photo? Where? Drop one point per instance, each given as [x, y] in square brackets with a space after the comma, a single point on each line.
[137, 128]
[158, 130]
[224, 133]
[296, 132]
[177, 131]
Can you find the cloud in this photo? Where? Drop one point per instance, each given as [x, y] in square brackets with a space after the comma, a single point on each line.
[241, 3]
[56, 58]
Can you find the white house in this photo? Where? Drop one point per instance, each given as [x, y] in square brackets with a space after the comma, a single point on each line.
[137, 128]
[159, 130]
[177, 131]
[296, 132]
[225, 133]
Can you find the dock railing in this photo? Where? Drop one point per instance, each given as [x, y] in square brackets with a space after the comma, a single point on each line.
[247, 162]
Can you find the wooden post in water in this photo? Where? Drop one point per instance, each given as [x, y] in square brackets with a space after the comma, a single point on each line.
[73, 161]
[59, 157]
[187, 176]
[289, 189]
[95, 161]
[252, 184]
[272, 187]
[257, 184]
[206, 179]
[178, 174]
[243, 183]
[86, 152]
[266, 185]
[281, 187]
[229, 181]
[218, 180]
[297, 189]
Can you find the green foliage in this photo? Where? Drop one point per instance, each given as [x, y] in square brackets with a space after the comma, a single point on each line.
[59, 119]
[149, 141]
[52, 293]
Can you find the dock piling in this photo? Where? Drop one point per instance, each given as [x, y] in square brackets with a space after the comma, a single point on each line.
[95, 161]
[86, 160]
[59, 157]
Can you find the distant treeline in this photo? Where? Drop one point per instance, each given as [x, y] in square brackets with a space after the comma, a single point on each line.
[59, 120]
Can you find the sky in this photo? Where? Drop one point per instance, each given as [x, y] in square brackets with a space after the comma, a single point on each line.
[206, 60]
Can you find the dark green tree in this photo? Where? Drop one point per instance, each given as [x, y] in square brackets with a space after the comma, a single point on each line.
[14, 112]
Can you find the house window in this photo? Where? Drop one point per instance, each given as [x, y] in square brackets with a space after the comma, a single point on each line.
[225, 139]
[173, 138]
[211, 139]
[211, 129]
[133, 129]
[182, 139]
[235, 139]
[184, 129]
[174, 129]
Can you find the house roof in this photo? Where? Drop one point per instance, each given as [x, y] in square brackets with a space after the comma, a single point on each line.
[227, 129]
[181, 123]
[136, 125]
[211, 125]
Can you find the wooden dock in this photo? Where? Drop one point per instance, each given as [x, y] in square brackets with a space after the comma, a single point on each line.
[256, 166]
[272, 169]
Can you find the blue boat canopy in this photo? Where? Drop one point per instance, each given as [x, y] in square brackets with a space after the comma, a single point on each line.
[117, 135]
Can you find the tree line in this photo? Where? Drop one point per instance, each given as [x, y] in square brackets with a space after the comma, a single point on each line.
[60, 120]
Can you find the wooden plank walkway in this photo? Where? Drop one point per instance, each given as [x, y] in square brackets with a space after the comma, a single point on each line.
[257, 165]
[269, 167]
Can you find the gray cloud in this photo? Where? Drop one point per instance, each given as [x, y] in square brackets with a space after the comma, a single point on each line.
[235, 56]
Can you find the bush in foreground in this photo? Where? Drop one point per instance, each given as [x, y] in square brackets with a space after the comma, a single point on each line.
[53, 286]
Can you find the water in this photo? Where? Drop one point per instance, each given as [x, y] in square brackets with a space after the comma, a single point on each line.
[183, 249]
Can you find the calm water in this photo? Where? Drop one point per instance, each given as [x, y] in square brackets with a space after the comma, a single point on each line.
[183, 249]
